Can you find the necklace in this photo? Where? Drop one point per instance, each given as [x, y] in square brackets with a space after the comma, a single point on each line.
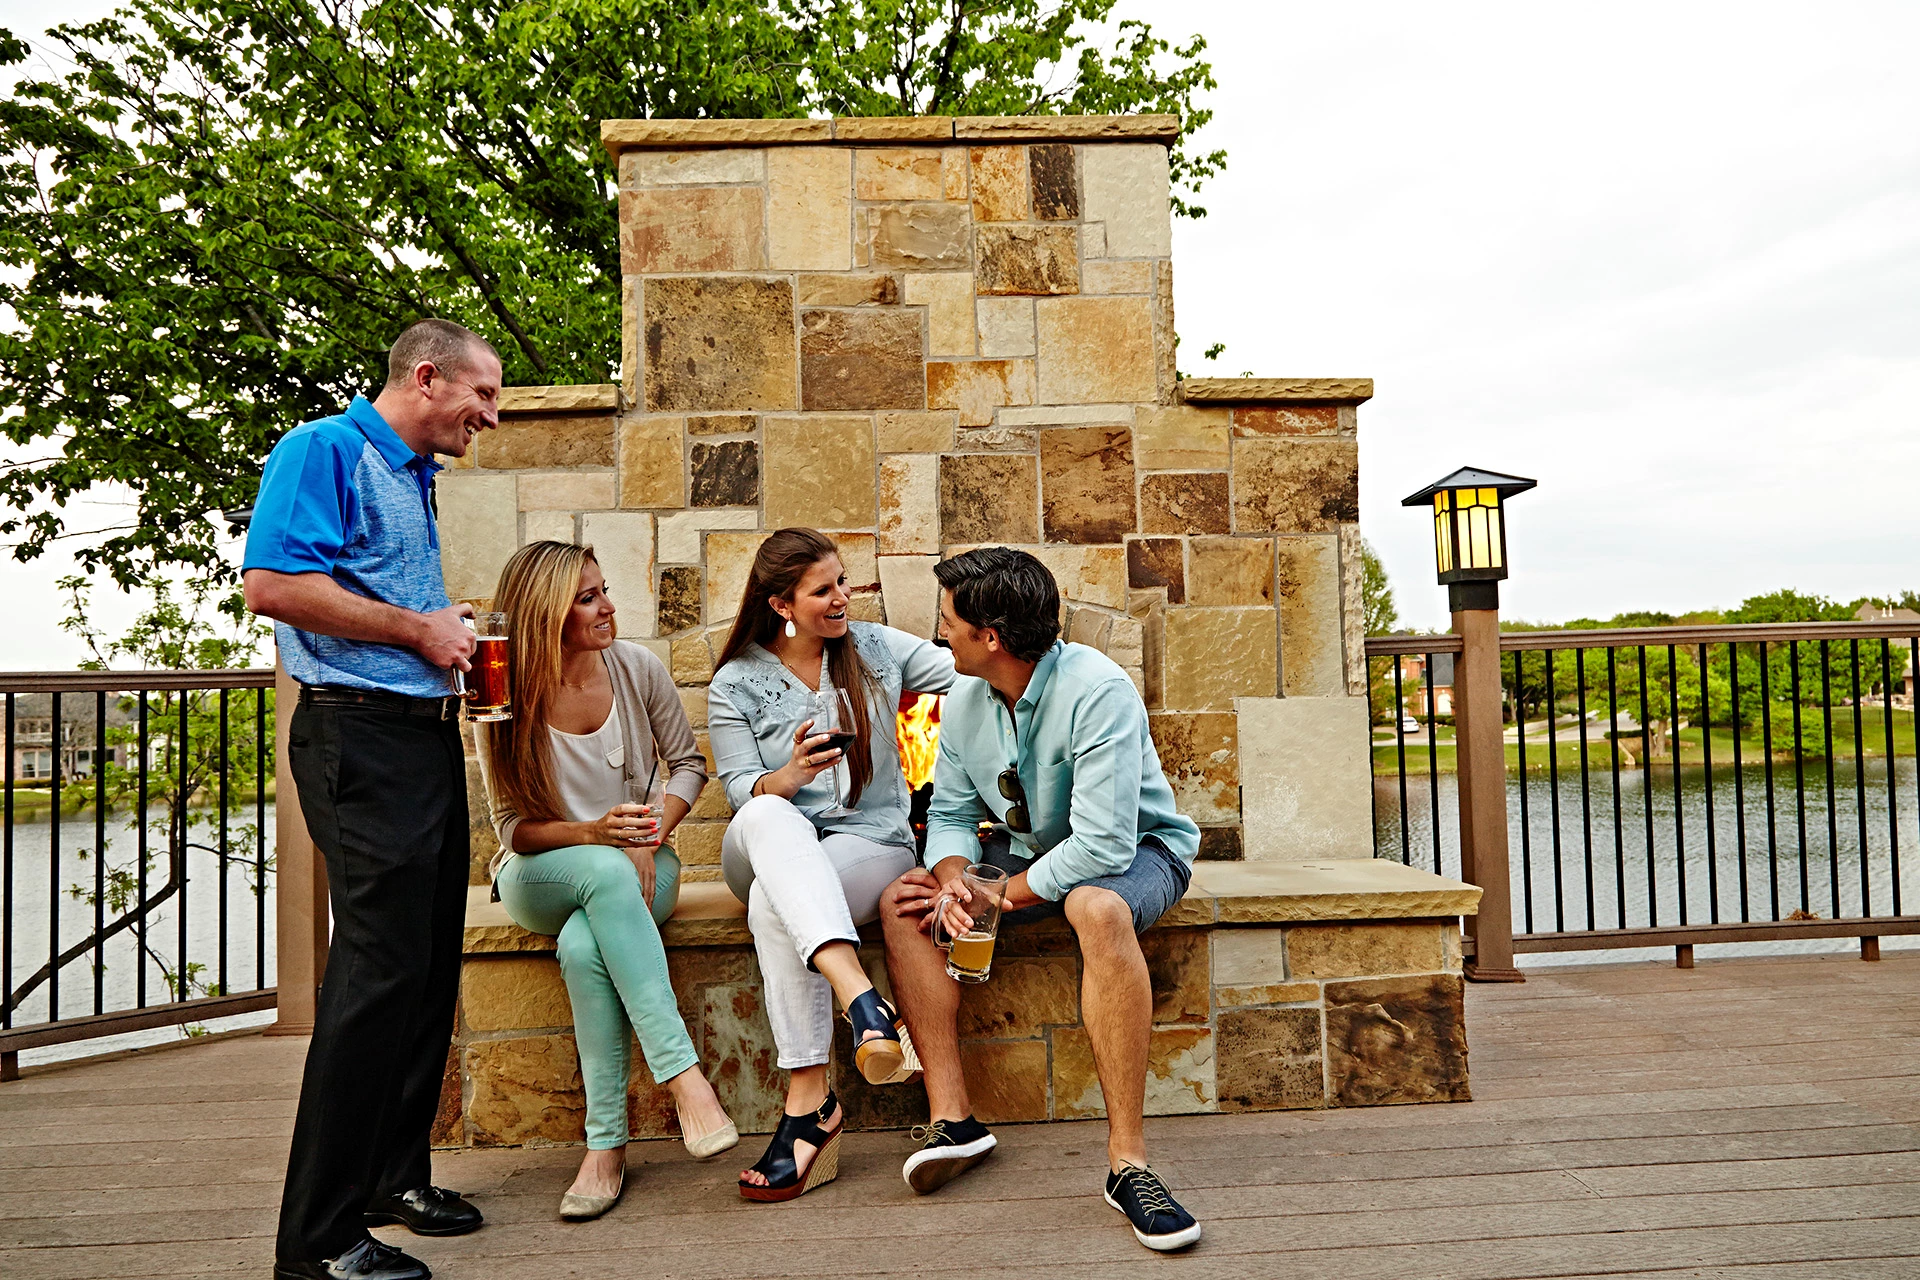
[800, 674]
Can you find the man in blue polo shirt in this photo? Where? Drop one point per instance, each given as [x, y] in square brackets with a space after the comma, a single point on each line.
[1049, 741]
[343, 554]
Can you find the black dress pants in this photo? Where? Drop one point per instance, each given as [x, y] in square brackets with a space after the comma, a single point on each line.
[384, 795]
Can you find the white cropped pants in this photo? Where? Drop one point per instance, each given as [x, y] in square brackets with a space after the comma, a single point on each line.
[802, 890]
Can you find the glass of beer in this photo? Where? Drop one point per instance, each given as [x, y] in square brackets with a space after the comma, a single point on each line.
[970, 953]
[490, 684]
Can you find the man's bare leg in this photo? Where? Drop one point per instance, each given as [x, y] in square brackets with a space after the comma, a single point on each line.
[930, 1002]
[1116, 1006]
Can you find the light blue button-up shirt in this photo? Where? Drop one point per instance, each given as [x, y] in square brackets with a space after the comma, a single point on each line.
[1094, 787]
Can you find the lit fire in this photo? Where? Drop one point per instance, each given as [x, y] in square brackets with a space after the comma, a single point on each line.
[917, 731]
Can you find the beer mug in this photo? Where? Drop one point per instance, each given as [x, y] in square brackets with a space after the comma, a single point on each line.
[970, 954]
[489, 686]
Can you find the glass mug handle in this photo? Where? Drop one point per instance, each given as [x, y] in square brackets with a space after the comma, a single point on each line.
[459, 676]
[939, 917]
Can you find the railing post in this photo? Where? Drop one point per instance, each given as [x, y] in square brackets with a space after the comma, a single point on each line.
[300, 913]
[1481, 760]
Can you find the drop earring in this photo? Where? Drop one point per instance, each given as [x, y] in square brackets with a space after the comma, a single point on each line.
[791, 633]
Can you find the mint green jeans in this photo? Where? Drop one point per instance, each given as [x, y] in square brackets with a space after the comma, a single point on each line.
[588, 896]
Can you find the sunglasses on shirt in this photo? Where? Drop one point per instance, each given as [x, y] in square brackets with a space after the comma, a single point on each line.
[1010, 789]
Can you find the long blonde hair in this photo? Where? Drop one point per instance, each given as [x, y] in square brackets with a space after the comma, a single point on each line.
[536, 590]
[782, 560]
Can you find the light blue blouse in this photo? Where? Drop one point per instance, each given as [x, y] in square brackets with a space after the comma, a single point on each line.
[754, 704]
[1080, 740]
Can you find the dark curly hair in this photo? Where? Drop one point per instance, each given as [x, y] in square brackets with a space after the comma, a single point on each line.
[1009, 591]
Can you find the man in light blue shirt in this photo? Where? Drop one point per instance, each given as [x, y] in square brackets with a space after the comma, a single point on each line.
[1048, 741]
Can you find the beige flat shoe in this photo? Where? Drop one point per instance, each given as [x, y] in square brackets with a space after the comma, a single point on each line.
[710, 1145]
[575, 1208]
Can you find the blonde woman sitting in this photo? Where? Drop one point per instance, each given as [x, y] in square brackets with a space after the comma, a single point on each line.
[578, 860]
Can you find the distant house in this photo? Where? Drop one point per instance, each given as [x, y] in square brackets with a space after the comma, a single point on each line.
[33, 737]
[1413, 683]
[1871, 612]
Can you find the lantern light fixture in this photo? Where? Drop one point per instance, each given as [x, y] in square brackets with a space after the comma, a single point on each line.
[1470, 533]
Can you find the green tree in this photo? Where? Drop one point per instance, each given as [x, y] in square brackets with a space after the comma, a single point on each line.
[1671, 682]
[1378, 612]
[215, 220]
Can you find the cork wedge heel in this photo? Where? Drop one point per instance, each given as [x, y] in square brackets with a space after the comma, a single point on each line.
[781, 1168]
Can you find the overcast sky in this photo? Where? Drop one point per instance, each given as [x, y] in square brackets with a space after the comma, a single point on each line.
[1665, 258]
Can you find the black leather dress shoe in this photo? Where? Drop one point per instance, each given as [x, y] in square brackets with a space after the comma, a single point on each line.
[368, 1260]
[426, 1211]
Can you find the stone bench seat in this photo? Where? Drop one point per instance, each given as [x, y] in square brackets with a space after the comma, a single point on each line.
[1276, 985]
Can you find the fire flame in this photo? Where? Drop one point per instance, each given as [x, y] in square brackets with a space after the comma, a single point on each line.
[917, 732]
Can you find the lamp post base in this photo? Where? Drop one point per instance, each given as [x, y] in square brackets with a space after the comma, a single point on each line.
[1462, 596]
[1474, 973]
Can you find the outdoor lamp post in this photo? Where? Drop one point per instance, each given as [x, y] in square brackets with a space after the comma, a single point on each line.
[1470, 552]
[1470, 533]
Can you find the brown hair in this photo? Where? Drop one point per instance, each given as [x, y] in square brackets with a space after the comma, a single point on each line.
[536, 590]
[448, 347]
[783, 559]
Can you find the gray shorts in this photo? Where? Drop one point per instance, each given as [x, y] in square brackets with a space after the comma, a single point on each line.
[1152, 884]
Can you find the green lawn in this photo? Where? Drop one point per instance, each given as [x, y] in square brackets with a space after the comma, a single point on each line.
[32, 804]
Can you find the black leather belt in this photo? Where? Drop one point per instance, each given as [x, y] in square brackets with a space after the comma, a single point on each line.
[322, 695]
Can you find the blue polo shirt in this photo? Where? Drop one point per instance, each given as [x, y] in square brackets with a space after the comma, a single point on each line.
[1079, 738]
[346, 497]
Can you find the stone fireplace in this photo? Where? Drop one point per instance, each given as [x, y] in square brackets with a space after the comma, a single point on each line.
[926, 334]
[922, 335]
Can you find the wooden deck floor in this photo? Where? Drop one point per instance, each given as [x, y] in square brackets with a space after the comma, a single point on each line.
[1757, 1120]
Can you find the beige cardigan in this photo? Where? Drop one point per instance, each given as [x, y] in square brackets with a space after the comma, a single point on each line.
[650, 712]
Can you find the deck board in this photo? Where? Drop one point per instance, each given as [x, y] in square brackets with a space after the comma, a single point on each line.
[1745, 1120]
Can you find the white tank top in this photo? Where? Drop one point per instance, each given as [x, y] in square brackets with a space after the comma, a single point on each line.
[589, 769]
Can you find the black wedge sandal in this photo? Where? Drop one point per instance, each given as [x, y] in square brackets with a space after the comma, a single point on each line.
[883, 1059]
[779, 1166]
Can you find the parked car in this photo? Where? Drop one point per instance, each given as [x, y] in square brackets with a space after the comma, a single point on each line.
[1409, 725]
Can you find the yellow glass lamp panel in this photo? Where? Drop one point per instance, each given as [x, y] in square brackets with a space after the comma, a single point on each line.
[1494, 540]
[1443, 530]
[1477, 556]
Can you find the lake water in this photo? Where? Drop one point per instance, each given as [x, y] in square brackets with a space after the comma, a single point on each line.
[1604, 876]
[27, 909]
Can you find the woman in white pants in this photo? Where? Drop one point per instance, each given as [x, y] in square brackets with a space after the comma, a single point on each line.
[817, 833]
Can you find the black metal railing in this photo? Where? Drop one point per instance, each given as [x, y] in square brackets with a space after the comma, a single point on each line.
[135, 862]
[1673, 785]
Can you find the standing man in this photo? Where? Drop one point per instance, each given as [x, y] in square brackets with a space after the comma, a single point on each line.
[1050, 740]
[344, 556]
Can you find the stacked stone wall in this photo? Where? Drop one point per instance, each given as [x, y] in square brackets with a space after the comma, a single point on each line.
[1258, 1015]
[921, 336]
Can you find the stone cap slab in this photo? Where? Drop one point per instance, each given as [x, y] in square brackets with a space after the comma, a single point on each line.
[708, 915]
[586, 398]
[1276, 390]
[1324, 889]
[635, 135]
[1222, 893]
